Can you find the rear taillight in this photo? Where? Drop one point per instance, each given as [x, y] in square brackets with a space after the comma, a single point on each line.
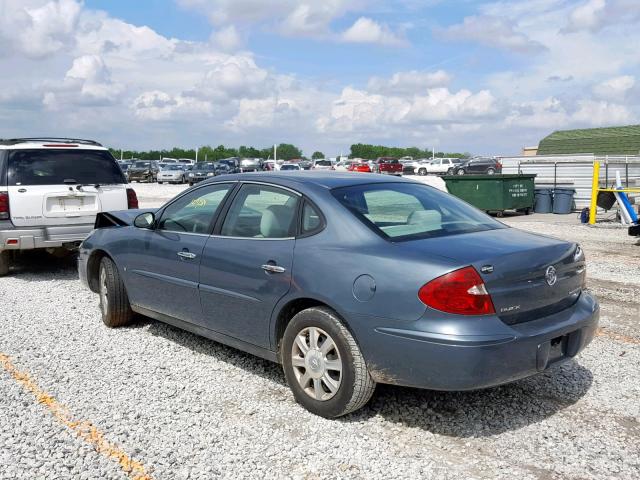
[461, 292]
[132, 199]
[498, 165]
[4, 206]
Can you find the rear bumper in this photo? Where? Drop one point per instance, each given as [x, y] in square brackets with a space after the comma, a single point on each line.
[453, 362]
[43, 237]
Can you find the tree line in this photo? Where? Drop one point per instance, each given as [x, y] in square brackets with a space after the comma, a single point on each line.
[285, 151]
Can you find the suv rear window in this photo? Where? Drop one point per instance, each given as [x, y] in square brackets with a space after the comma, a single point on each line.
[406, 211]
[53, 167]
[324, 163]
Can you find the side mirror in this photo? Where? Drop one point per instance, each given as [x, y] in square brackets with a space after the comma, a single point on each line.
[145, 220]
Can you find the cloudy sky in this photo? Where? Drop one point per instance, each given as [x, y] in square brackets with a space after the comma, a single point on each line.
[468, 75]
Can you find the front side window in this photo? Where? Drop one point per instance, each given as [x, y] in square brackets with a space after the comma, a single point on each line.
[194, 212]
[261, 211]
[54, 167]
[406, 211]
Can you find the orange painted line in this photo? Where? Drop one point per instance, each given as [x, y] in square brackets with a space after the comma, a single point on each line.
[82, 428]
[601, 332]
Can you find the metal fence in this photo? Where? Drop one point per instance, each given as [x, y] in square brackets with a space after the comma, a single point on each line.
[575, 171]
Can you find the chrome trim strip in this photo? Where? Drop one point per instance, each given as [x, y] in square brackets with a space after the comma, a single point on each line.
[227, 293]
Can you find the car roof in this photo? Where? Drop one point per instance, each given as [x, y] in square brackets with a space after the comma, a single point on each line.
[49, 143]
[325, 179]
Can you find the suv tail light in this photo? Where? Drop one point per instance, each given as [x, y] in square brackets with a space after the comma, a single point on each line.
[132, 199]
[4, 206]
[460, 292]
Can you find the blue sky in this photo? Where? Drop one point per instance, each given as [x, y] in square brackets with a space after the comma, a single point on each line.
[487, 77]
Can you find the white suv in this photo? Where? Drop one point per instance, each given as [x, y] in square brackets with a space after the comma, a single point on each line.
[51, 190]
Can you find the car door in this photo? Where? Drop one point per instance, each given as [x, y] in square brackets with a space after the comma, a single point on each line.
[246, 265]
[163, 263]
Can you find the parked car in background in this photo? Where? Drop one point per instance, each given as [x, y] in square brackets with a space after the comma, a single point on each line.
[201, 171]
[408, 165]
[251, 164]
[479, 166]
[288, 267]
[344, 165]
[233, 163]
[271, 165]
[305, 164]
[438, 166]
[359, 167]
[387, 166]
[323, 164]
[290, 167]
[51, 191]
[172, 173]
[143, 171]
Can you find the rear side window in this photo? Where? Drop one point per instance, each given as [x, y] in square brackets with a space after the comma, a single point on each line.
[53, 167]
[261, 211]
[311, 220]
[407, 211]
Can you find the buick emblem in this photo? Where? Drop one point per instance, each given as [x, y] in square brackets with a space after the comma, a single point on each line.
[551, 276]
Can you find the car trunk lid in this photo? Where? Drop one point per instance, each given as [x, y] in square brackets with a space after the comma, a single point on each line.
[528, 276]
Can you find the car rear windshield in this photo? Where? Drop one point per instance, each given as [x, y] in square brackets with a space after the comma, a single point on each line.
[324, 163]
[142, 165]
[53, 167]
[408, 211]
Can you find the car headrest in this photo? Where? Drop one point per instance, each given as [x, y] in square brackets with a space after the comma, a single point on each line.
[276, 221]
[430, 217]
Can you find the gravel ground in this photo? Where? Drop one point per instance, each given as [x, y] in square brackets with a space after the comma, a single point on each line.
[186, 407]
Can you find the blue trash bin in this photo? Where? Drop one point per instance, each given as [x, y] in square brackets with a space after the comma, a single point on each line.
[542, 200]
[563, 200]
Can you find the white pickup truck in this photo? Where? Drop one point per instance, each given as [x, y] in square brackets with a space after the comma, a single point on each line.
[438, 166]
[51, 190]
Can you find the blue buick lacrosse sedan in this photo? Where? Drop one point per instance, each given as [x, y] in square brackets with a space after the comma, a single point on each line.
[347, 280]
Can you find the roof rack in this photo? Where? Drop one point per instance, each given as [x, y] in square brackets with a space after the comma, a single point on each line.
[15, 141]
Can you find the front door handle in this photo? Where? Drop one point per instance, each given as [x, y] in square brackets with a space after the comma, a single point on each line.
[273, 268]
[188, 255]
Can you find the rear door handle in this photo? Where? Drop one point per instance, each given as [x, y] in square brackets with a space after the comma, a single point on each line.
[188, 255]
[273, 268]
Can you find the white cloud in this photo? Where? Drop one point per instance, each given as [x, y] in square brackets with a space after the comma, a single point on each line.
[492, 31]
[594, 15]
[366, 30]
[227, 39]
[37, 29]
[408, 83]
[616, 88]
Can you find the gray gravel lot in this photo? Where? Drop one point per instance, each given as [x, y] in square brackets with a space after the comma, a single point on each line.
[186, 407]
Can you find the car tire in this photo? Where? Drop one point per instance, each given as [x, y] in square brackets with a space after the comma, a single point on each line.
[5, 263]
[354, 383]
[160, 183]
[450, 171]
[422, 171]
[491, 171]
[114, 301]
[460, 171]
[191, 184]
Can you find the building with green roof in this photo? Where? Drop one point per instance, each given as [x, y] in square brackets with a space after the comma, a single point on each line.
[599, 141]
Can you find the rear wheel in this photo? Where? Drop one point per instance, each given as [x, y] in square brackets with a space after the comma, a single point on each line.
[323, 364]
[491, 171]
[422, 171]
[160, 183]
[450, 171]
[460, 171]
[114, 302]
[5, 262]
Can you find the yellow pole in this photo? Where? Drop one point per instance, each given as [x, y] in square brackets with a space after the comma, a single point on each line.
[595, 184]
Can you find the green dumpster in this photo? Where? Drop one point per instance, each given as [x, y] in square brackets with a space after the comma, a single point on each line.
[494, 193]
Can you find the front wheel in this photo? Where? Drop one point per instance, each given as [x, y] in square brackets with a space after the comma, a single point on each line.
[460, 172]
[160, 183]
[450, 171]
[323, 364]
[422, 171]
[491, 171]
[114, 301]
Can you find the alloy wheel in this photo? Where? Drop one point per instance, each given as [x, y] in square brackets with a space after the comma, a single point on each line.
[104, 293]
[317, 364]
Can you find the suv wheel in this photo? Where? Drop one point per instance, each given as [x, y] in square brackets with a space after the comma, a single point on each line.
[114, 302]
[491, 171]
[323, 364]
[5, 261]
[450, 171]
[422, 171]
